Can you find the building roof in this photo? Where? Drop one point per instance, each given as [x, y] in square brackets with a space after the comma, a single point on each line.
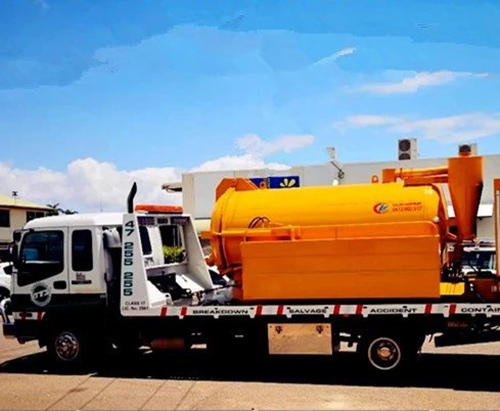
[11, 202]
[77, 220]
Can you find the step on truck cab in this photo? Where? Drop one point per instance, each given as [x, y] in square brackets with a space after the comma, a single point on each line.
[379, 267]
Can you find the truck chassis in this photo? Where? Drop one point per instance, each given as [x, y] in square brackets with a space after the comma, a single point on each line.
[388, 336]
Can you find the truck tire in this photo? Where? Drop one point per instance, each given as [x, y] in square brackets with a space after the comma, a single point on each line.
[387, 353]
[71, 346]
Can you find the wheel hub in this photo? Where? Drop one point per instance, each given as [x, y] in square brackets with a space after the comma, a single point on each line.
[67, 346]
[384, 353]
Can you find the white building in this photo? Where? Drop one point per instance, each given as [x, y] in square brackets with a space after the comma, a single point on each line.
[198, 188]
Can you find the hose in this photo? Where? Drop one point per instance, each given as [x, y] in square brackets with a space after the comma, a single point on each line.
[257, 220]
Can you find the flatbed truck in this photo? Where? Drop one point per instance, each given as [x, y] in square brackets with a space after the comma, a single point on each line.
[85, 282]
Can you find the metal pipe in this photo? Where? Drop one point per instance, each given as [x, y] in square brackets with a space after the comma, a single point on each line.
[130, 198]
[391, 175]
[422, 172]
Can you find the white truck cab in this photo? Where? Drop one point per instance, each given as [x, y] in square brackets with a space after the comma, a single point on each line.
[61, 256]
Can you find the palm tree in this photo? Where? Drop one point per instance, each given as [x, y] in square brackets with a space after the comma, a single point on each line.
[68, 211]
[56, 210]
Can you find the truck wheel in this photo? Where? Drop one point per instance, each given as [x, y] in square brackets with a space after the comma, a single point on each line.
[383, 353]
[70, 346]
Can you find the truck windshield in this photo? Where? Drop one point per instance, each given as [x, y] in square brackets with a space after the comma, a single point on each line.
[479, 260]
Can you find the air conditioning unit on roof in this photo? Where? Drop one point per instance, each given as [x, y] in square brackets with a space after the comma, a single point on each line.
[407, 149]
[468, 148]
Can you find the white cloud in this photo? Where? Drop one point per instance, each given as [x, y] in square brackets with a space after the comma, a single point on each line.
[252, 144]
[463, 127]
[90, 185]
[335, 56]
[450, 129]
[243, 162]
[87, 184]
[363, 120]
[417, 81]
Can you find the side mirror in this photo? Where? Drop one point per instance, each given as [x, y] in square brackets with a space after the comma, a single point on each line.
[17, 236]
[14, 254]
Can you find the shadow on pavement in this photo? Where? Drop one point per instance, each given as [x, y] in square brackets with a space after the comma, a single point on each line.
[458, 371]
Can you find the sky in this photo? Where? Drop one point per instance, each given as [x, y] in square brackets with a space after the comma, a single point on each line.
[97, 94]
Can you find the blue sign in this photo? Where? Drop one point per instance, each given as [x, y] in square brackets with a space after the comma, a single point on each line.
[259, 182]
[277, 182]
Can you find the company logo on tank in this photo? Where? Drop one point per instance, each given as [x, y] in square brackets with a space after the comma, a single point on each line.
[381, 208]
[411, 207]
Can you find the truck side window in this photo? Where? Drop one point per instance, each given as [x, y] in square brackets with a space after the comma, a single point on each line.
[42, 256]
[81, 250]
[145, 241]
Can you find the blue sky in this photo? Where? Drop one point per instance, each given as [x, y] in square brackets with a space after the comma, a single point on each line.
[92, 89]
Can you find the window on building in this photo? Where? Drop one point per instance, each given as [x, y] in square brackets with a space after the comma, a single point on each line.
[31, 215]
[81, 250]
[145, 241]
[42, 256]
[4, 218]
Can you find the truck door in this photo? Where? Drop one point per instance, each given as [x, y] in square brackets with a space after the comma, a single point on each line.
[42, 275]
[84, 265]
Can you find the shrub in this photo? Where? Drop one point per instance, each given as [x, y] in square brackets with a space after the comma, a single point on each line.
[173, 254]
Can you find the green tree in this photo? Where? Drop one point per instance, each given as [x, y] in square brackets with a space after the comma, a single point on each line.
[68, 211]
[56, 210]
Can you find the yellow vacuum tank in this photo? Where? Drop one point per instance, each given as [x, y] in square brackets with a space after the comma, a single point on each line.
[352, 241]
